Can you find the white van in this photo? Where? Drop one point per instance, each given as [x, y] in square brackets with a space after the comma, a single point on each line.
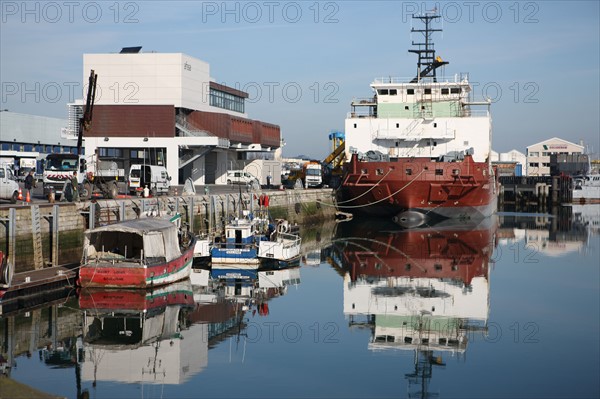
[9, 188]
[154, 177]
[241, 177]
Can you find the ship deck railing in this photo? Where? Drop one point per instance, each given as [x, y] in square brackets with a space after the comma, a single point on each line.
[457, 78]
[466, 113]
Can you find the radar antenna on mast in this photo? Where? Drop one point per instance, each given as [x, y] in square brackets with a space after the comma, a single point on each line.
[428, 62]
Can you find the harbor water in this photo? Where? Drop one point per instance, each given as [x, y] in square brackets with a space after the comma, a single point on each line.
[505, 307]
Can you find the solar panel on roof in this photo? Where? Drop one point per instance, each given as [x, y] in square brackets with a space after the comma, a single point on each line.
[131, 50]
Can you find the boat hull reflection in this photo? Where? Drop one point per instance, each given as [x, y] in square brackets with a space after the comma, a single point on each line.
[136, 336]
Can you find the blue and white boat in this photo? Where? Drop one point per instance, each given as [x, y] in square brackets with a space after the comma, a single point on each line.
[238, 246]
[248, 240]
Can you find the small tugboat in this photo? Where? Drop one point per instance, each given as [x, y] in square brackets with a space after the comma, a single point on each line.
[140, 253]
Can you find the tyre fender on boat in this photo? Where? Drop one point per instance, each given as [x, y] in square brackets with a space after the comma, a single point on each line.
[6, 272]
[282, 226]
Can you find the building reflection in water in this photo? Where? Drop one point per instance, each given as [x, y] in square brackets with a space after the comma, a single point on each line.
[424, 290]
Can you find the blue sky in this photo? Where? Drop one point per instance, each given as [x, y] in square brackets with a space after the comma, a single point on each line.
[538, 60]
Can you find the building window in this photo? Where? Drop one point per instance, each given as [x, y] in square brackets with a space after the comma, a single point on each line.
[534, 154]
[228, 101]
[534, 164]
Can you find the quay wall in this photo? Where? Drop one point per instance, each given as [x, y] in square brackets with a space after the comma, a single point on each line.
[303, 207]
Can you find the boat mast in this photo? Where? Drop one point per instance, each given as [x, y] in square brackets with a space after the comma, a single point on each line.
[427, 63]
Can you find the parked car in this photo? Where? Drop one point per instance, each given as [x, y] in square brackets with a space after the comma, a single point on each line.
[241, 177]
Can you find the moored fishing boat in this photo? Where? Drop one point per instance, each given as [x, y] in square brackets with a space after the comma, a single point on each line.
[418, 151]
[248, 240]
[138, 253]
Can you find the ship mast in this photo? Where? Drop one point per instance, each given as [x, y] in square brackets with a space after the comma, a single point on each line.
[427, 63]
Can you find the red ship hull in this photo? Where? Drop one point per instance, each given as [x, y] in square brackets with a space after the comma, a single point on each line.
[453, 254]
[418, 190]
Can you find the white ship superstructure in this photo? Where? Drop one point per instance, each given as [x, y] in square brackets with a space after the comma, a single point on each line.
[419, 119]
[425, 116]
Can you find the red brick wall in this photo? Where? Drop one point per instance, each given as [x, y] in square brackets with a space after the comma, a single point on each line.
[132, 121]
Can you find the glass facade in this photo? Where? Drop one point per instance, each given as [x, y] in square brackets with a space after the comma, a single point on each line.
[228, 101]
[41, 148]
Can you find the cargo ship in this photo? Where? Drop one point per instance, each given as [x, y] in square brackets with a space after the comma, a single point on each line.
[419, 149]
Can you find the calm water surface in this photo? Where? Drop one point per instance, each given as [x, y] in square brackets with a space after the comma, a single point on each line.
[506, 308]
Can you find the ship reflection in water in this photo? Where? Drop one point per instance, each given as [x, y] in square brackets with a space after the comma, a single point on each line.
[137, 336]
[163, 336]
[417, 302]
[424, 290]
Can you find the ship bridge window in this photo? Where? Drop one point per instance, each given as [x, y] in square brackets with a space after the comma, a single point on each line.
[455, 90]
[439, 172]
[406, 107]
[393, 92]
[410, 92]
[427, 91]
[445, 91]
[383, 92]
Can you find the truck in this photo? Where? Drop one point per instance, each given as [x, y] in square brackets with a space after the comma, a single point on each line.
[59, 168]
[92, 177]
[310, 175]
[9, 188]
